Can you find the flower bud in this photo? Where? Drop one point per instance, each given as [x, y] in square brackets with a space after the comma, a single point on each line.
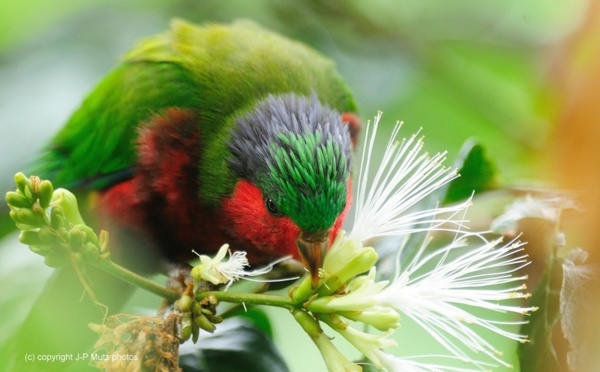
[184, 304]
[196, 308]
[215, 319]
[30, 237]
[195, 332]
[22, 182]
[45, 193]
[57, 219]
[203, 322]
[76, 240]
[345, 259]
[88, 234]
[382, 318]
[17, 200]
[28, 217]
[308, 323]
[42, 250]
[47, 236]
[68, 202]
[356, 262]
[90, 252]
[186, 333]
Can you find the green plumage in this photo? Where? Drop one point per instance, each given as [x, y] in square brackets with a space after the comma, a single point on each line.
[218, 71]
[313, 193]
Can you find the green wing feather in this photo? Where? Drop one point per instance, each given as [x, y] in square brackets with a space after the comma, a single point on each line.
[99, 139]
[219, 71]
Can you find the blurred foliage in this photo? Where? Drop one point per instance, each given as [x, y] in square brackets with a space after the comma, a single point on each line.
[477, 171]
[540, 354]
[462, 69]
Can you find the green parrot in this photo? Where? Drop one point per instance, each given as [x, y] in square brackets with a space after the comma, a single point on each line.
[204, 136]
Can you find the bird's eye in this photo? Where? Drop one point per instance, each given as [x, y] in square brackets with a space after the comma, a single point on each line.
[272, 207]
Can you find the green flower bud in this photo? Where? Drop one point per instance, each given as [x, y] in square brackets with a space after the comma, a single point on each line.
[28, 217]
[29, 194]
[215, 319]
[90, 252]
[203, 322]
[30, 237]
[382, 318]
[57, 219]
[68, 202]
[184, 304]
[196, 273]
[45, 193]
[359, 262]
[207, 312]
[195, 333]
[196, 308]
[88, 234]
[345, 259]
[17, 200]
[22, 182]
[76, 240]
[47, 236]
[186, 333]
[42, 250]
[307, 322]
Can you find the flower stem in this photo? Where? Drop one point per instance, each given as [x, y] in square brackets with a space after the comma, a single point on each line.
[249, 298]
[137, 280]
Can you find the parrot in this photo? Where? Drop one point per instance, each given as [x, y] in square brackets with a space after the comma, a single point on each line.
[212, 135]
[206, 135]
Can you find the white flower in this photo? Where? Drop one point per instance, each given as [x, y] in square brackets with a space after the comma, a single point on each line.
[393, 363]
[217, 271]
[406, 177]
[437, 290]
[475, 277]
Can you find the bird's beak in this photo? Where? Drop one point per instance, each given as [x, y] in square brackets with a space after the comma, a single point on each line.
[312, 248]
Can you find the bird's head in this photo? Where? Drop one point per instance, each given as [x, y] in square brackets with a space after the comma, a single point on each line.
[292, 157]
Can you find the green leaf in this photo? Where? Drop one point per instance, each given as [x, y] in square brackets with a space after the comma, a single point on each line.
[256, 316]
[477, 173]
[235, 346]
[539, 355]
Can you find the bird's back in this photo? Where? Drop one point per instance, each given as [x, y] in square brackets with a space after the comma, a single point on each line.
[218, 71]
